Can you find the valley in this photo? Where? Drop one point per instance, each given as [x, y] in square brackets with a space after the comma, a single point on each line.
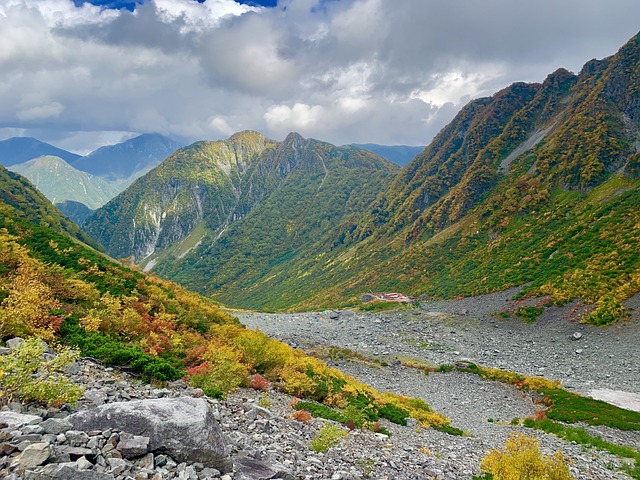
[376, 348]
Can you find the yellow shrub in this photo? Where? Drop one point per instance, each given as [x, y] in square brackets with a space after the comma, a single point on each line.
[295, 382]
[521, 460]
[536, 383]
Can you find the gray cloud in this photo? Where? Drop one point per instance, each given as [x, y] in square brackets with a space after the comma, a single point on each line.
[343, 71]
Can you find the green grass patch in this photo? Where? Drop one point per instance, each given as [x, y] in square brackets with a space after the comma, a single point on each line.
[529, 314]
[572, 408]
[582, 437]
[381, 306]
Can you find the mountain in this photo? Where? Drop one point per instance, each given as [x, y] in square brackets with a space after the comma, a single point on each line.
[398, 154]
[129, 159]
[536, 185]
[243, 205]
[59, 182]
[75, 211]
[20, 149]
[19, 200]
[55, 288]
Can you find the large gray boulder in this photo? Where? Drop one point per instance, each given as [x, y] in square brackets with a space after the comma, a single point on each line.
[183, 428]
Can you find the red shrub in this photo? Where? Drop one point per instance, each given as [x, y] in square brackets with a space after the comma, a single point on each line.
[302, 416]
[258, 382]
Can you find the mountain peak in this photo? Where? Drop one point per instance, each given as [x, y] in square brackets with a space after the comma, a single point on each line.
[294, 139]
[20, 149]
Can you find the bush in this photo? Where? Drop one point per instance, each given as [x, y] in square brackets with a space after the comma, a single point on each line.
[329, 436]
[521, 460]
[302, 416]
[258, 382]
[25, 374]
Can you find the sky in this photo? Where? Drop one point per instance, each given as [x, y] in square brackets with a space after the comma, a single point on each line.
[82, 74]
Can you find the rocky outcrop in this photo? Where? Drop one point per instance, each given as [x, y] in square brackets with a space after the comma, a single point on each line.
[183, 428]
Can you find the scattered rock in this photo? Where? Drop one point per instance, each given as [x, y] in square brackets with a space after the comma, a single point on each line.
[34, 455]
[576, 336]
[183, 427]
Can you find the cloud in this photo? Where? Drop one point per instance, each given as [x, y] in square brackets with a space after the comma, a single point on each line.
[342, 71]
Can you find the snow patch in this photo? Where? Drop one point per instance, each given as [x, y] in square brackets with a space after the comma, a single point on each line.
[619, 398]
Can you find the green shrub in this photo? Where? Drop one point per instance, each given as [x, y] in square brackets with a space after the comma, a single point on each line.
[329, 436]
[111, 351]
[25, 374]
[321, 411]
[529, 314]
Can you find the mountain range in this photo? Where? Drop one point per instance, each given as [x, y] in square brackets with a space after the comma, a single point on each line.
[537, 184]
[91, 180]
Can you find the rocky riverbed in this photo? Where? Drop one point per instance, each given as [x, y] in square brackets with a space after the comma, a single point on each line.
[585, 359]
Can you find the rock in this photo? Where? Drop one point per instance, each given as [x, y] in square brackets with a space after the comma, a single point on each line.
[17, 420]
[55, 426]
[576, 336]
[132, 446]
[181, 427]
[251, 469]
[34, 455]
[96, 396]
[57, 471]
[333, 315]
[14, 342]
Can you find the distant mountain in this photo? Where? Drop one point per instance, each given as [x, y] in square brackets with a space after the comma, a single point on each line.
[20, 149]
[229, 212]
[76, 211]
[398, 154]
[59, 181]
[20, 200]
[129, 159]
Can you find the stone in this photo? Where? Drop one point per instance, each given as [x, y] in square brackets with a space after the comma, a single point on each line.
[34, 455]
[58, 471]
[132, 446]
[96, 396]
[117, 466]
[576, 336]
[55, 426]
[84, 464]
[73, 452]
[182, 427]
[248, 468]
[17, 420]
[14, 342]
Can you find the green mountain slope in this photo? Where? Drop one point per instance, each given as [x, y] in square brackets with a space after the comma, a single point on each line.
[59, 181]
[543, 189]
[251, 200]
[21, 201]
[535, 185]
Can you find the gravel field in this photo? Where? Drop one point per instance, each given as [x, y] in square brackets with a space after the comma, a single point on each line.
[447, 331]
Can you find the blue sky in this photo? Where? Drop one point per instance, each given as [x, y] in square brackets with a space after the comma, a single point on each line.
[79, 75]
[130, 5]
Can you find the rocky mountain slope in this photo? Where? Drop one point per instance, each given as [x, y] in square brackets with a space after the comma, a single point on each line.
[538, 184]
[242, 205]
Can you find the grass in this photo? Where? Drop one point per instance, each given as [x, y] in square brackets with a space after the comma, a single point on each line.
[582, 437]
[572, 408]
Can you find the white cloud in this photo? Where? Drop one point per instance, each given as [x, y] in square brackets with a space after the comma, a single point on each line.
[343, 71]
[39, 112]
